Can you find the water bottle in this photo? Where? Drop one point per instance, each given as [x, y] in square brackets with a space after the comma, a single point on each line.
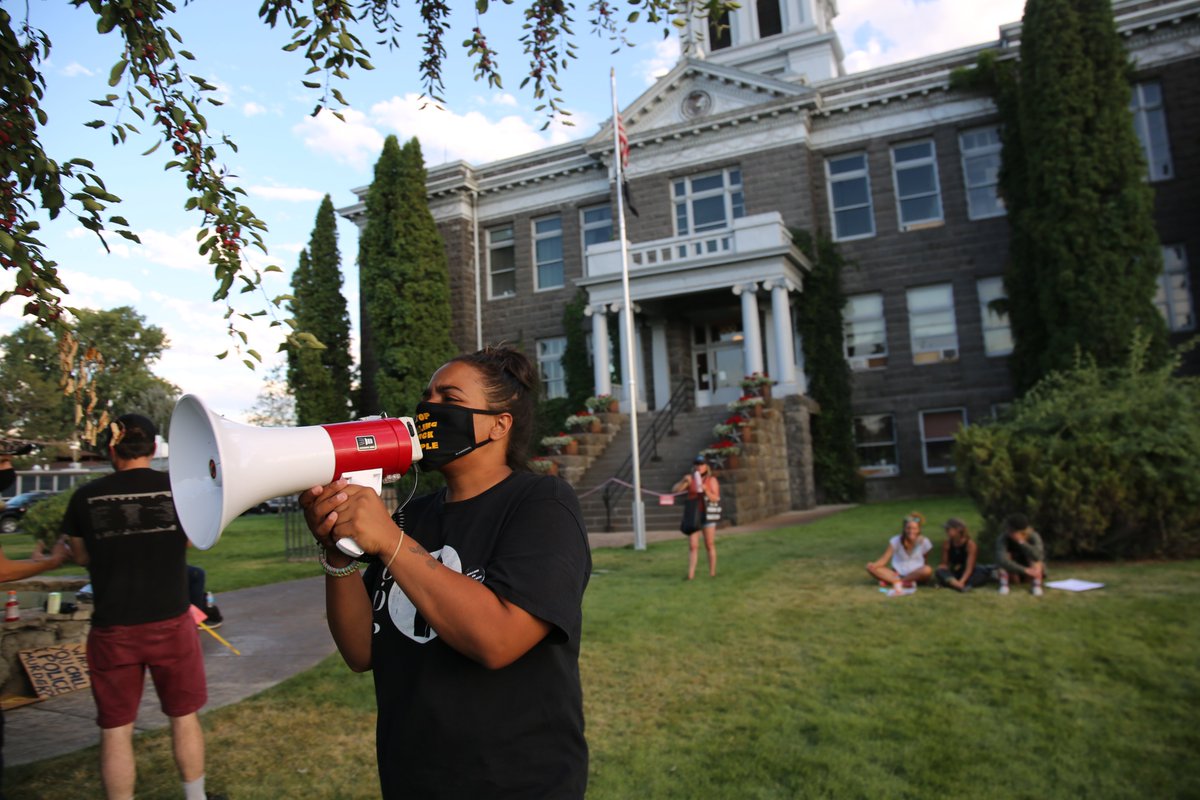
[209, 600]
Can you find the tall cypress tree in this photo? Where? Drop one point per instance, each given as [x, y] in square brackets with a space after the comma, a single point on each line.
[1085, 256]
[405, 280]
[319, 378]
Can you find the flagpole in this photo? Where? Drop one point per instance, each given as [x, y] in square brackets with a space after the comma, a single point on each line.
[639, 508]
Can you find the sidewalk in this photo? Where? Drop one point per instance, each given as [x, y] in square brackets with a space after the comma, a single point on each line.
[280, 630]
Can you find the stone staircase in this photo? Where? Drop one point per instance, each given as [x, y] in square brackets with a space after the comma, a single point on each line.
[602, 454]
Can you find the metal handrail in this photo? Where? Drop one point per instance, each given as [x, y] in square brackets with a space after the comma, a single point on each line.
[661, 424]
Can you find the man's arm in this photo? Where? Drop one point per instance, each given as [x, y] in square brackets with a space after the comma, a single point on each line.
[11, 570]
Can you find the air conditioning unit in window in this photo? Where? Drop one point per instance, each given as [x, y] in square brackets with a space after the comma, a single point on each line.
[950, 354]
[867, 362]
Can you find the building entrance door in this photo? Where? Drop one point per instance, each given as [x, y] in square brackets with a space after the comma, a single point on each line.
[718, 361]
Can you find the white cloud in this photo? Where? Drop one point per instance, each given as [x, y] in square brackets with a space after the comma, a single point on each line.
[353, 141]
[291, 194]
[93, 291]
[253, 109]
[75, 69]
[174, 250]
[661, 56]
[473, 137]
[879, 32]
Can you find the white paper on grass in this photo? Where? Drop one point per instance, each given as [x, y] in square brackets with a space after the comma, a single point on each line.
[1074, 585]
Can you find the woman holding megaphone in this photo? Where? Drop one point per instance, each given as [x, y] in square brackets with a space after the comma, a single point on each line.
[469, 611]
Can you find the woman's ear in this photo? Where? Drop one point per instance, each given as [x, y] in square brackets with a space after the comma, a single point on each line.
[501, 426]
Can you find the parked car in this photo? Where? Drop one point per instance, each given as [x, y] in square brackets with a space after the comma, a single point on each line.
[275, 505]
[15, 508]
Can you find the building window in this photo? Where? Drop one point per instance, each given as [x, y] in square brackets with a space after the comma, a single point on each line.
[597, 225]
[875, 439]
[865, 335]
[720, 35]
[548, 252]
[549, 355]
[770, 18]
[931, 324]
[937, 438]
[914, 171]
[1174, 297]
[502, 262]
[850, 197]
[981, 172]
[708, 202]
[1150, 124]
[997, 335]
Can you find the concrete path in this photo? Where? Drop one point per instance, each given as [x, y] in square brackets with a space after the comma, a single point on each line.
[280, 630]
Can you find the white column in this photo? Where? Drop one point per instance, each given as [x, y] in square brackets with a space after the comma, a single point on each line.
[622, 329]
[660, 363]
[601, 369]
[785, 352]
[752, 341]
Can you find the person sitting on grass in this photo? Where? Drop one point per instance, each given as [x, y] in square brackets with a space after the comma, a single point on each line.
[906, 552]
[958, 568]
[1021, 555]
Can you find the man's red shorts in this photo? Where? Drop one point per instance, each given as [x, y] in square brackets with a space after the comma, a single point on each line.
[118, 656]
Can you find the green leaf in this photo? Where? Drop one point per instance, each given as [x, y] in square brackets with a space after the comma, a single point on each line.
[114, 77]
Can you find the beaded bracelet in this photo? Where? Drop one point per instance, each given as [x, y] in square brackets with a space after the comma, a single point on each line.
[336, 572]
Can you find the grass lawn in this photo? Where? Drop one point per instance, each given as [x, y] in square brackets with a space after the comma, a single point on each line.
[790, 676]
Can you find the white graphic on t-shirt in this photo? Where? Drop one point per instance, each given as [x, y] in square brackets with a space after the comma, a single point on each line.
[404, 614]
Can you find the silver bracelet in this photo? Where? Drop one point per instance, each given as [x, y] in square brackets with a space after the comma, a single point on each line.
[336, 572]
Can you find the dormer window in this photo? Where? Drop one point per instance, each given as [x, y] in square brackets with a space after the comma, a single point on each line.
[770, 18]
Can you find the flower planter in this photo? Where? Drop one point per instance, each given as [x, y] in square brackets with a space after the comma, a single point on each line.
[571, 449]
[746, 432]
[731, 461]
[596, 426]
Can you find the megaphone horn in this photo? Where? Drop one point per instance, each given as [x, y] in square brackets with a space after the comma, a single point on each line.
[220, 468]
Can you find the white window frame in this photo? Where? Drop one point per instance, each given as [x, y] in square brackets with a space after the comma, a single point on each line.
[550, 367]
[947, 348]
[494, 246]
[1150, 125]
[684, 197]
[862, 173]
[883, 468]
[924, 162]
[1174, 296]
[987, 154]
[542, 230]
[586, 227]
[864, 361]
[928, 440]
[993, 325]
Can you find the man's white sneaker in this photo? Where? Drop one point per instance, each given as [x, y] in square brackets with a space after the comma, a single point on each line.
[1003, 588]
[1036, 591]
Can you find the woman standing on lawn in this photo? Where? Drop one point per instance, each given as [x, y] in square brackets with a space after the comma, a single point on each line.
[907, 555]
[704, 491]
[470, 611]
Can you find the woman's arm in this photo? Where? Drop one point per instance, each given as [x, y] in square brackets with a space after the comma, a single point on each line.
[883, 560]
[972, 553]
[945, 562]
[347, 604]
[467, 615]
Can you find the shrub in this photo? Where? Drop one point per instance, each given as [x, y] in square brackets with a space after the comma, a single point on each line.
[43, 520]
[1106, 462]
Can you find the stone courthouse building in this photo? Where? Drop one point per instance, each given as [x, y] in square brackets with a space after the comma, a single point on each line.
[761, 131]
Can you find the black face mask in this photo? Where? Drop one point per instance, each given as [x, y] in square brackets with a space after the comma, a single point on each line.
[446, 432]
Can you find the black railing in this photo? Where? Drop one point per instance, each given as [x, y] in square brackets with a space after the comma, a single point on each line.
[661, 424]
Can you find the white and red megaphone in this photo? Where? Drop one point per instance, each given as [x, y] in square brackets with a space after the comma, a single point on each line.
[220, 468]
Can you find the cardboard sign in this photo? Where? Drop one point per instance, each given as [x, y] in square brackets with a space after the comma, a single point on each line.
[57, 670]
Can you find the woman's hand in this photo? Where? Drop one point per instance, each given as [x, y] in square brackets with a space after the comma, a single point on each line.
[362, 516]
[319, 504]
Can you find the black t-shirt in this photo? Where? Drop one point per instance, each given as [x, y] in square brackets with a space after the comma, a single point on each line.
[448, 727]
[136, 547]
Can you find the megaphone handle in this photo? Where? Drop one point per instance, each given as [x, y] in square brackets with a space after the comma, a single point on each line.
[362, 477]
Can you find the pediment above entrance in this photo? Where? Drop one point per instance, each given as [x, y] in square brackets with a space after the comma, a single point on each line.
[697, 92]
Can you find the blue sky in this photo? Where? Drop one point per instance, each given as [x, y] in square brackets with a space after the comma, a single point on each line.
[288, 160]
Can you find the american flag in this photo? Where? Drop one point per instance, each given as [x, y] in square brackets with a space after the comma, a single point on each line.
[623, 146]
